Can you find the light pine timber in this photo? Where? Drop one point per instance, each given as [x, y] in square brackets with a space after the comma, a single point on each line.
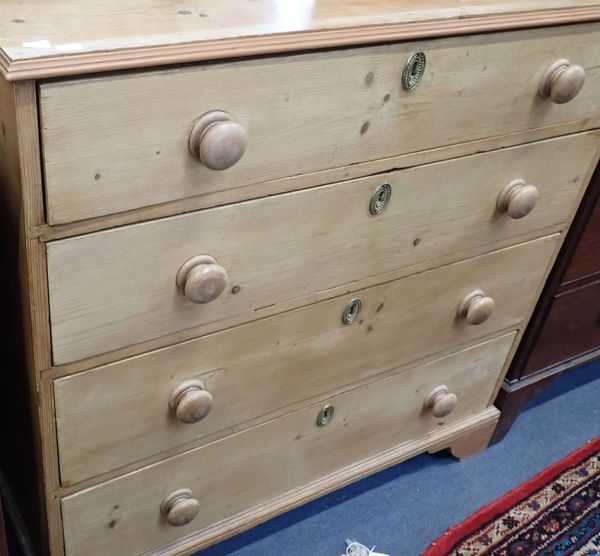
[47, 233]
[218, 141]
[25, 160]
[562, 81]
[476, 307]
[111, 27]
[67, 490]
[269, 26]
[244, 520]
[590, 171]
[116, 288]
[190, 401]
[256, 369]
[25, 262]
[303, 114]
[518, 199]
[180, 507]
[469, 444]
[245, 470]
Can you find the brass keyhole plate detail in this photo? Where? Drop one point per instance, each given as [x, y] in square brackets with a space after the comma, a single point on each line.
[380, 199]
[414, 70]
[325, 415]
[351, 311]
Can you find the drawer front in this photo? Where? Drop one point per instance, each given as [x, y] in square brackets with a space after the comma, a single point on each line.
[242, 471]
[262, 367]
[120, 142]
[571, 329]
[586, 259]
[116, 288]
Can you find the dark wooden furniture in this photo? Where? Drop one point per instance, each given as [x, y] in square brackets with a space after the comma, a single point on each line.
[3, 543]
[564, 331]
[13, 531]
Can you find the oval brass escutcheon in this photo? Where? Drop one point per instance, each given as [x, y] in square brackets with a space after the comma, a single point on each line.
[325, 415]
[380, 199]
[414, 70]
[351, 311]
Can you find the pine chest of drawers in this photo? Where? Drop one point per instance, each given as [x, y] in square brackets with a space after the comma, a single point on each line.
[255, 263]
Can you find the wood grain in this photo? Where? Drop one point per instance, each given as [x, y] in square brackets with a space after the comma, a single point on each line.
[244, 520]
[47, 233]
[553, 283]
[111, 517]
[562, 81]
[470, 445]
[586, 262]
[303, 114]
[26, 309]
[74, 38]
[25, 222]
[116, 288]
[517, 390]
[20, 156]
[571, 328]
[257, 369]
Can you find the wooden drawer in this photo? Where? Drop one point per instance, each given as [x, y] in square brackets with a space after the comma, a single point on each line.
[572, 328]
[586, 259]
[116, 288]
[242, 471]
[263, 367]
[120, 142]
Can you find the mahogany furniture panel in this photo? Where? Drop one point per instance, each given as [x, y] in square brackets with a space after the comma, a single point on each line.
[586, 255]
[260, 251]
[3, 542]
[572, 328]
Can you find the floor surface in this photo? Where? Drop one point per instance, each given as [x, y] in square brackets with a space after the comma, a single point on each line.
[403, 509]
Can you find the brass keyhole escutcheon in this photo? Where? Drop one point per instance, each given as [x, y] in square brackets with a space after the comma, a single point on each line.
[380, 199]
[414, 70]
[325, 415]
[351, 311]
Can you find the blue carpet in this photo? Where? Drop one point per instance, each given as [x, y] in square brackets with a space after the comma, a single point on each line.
[403, 509]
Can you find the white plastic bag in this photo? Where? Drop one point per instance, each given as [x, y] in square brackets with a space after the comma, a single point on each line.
[356, 549]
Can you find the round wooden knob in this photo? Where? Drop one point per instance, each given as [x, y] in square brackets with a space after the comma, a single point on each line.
[562, 81]
[217, 140]
[441, 402]
[476, 307]
[190, 401]
[180, 507]
[201, 279]
[518, 199]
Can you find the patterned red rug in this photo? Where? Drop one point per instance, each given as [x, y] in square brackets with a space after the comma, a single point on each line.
[557, 513]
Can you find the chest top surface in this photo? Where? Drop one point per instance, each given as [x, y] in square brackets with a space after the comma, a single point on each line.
[67, 37]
